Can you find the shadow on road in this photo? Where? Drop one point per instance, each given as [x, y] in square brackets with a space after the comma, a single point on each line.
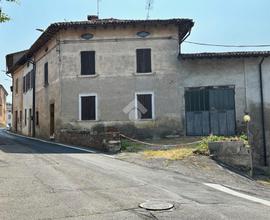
[20, 145]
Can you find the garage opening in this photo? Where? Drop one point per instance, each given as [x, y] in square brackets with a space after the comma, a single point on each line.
[210, 110]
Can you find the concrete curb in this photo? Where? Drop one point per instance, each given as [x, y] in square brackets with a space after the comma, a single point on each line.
[51, 142]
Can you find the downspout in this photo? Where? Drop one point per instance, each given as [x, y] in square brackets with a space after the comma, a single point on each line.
[34, 100]
[182, 40]
[32, 61]
[262, 112]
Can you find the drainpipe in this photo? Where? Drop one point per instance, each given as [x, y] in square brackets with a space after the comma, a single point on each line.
[181, 41]
[262, 111]
[34, 98]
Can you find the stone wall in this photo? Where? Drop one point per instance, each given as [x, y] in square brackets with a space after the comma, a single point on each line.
[107, 140]
[233, 153]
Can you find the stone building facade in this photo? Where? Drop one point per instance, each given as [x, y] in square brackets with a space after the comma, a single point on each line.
[131, 75]
[3, 95]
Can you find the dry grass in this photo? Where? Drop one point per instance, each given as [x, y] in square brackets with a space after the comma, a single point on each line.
[172, 154]
[264, 182]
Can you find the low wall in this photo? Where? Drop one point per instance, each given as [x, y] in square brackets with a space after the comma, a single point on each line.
[104, 141]
[234, 153]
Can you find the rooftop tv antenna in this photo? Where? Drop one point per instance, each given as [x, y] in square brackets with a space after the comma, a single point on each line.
[149, 6]
[98, 2]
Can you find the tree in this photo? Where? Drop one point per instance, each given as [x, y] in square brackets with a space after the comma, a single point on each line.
[3, 16]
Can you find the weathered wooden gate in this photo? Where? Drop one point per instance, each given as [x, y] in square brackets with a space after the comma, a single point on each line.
[210, 110]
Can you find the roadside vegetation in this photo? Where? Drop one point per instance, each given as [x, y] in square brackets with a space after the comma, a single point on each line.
[177, 152]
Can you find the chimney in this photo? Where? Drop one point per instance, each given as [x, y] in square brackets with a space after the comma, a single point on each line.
[92, 17]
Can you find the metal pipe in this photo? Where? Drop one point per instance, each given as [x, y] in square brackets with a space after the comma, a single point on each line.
[262, 111]
[34, 99]
[33, 117]
[186, 36]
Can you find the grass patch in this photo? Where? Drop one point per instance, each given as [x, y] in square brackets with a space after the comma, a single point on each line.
[202, 147]
[264, 182]
[130, 146]
[171, 154]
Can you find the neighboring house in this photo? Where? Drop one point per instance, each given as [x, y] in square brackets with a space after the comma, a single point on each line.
[9, 115]
[3, 95]
[131, 74]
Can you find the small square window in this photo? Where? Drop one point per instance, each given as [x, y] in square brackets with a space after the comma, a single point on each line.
[144, 106]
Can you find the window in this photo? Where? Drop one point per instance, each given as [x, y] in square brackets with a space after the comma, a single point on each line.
[30, 116]
[20, 116]
[143, 60]
[88, 107]
[88, 66]
[25, 117]
[24, 89]
[17, 85]
[30, 79]
[46, 74]
[37, 118]
[28, 83]
[144, 106]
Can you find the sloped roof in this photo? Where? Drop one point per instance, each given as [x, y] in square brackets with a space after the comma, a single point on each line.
[238, 54]
[3, 88]
[55, 27]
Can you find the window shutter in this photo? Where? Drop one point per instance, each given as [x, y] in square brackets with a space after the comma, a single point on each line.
[37, 118]
[139, 61]
[17, 85]
[143, 60]
[146, 101]
[147, 60]
[24, 84]
[88, 108]
[46, 72]
[88, 66]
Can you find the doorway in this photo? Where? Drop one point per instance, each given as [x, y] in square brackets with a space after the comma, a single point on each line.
[30, 122]
[210, 110]
[52, 120]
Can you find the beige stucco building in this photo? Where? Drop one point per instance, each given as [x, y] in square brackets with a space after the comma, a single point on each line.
[3, 95]
[131, 74]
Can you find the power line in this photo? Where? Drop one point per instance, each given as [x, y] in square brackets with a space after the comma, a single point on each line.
[226, 45]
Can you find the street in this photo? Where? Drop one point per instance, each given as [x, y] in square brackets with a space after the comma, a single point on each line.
[41, 180]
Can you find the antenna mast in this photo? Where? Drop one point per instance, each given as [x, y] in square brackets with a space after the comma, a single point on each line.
[149, 6]
[98, 1]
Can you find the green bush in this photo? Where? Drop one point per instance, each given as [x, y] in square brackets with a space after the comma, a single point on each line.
[202, 147]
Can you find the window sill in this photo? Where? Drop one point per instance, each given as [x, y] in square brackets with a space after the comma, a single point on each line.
[88, 76]
[87, 120]
[150, 119]
[144, 74]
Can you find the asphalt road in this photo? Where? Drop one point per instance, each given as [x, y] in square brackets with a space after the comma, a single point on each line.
[47, 181]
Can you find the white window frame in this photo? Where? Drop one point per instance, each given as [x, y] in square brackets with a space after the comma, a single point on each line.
[80, 105]
[152, 102]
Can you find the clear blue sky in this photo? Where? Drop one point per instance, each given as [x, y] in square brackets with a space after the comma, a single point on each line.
[216, 21]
